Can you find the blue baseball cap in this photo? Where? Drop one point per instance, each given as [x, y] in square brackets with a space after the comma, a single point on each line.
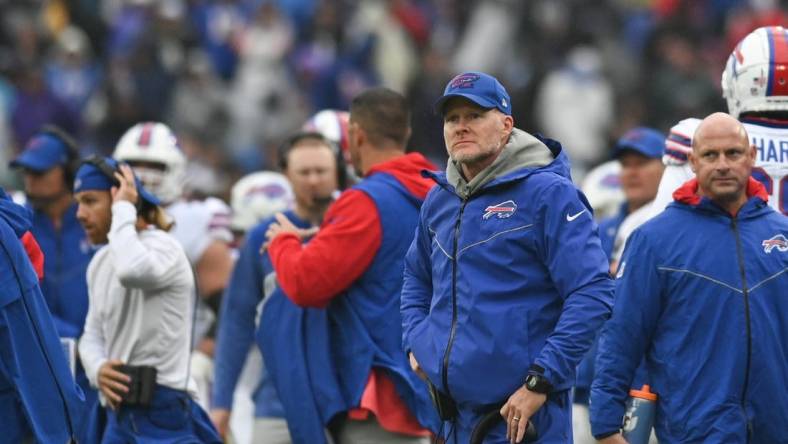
[92, 175]
[646, 141]
[42, 152]
[478, 87]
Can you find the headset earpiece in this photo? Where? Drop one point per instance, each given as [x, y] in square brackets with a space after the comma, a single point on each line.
[72, 152]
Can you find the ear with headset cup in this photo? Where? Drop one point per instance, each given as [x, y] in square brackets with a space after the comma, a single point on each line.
[72, 151]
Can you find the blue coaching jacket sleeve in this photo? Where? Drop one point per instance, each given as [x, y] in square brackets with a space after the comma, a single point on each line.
[573, 256]
[624, 338]
[237, 322]
[417, 285]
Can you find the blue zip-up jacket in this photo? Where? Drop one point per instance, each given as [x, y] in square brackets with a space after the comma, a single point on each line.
[237, 323]
[502, 277]
[37, 392]
[296, 347]
[702, 295]
[67, 254]
[366, 329]
[608, 229]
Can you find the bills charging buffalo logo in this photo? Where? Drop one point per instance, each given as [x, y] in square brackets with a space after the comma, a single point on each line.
[779, 242]
[501, 210]
[464, 81]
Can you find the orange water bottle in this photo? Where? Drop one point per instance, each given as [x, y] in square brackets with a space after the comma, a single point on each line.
[639, 418]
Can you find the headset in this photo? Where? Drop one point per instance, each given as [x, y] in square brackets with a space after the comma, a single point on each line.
[109, 171]
[72, 152]
[284, 149]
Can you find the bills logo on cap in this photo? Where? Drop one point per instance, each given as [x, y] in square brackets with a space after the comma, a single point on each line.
[35, 143]
[779, 242]
[464, 81]
[501, 210]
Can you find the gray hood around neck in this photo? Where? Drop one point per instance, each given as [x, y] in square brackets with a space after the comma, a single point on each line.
[522, 151]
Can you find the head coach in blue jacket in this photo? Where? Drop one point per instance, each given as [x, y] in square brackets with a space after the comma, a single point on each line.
[506, 283]
[701, 293]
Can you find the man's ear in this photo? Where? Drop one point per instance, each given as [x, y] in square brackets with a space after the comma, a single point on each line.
[508, 123]
[359, 135]
[692, 160]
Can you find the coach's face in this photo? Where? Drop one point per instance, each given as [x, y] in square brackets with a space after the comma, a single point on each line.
[722, 159]
[312, 172]
[474, 134]
[95, 214]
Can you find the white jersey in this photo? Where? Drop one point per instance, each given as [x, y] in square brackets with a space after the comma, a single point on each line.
[140, 287]
[771, 168]
[198, 223]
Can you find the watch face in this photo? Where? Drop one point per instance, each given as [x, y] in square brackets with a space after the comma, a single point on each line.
[530, 381]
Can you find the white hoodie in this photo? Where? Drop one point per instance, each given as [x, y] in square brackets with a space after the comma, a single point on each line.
[141, 291]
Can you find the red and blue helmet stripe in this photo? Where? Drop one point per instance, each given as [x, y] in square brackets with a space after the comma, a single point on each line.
[778, 57]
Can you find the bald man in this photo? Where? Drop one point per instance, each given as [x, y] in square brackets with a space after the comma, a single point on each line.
[701, 293]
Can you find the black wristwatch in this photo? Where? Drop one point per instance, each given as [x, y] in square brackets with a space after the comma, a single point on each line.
[536, 382]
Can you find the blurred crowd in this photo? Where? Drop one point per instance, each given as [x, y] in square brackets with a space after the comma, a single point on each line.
[233, 78]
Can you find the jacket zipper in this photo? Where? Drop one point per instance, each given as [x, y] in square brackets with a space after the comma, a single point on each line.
[453, 330]
[746, 293]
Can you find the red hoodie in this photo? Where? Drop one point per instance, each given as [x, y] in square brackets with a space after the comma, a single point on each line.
[688, 192]
[313, 274]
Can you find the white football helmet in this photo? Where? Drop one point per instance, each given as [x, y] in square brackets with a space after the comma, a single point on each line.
[258, 196]
[152, 150]
[332, 124]
[602, 188]
[756, 75]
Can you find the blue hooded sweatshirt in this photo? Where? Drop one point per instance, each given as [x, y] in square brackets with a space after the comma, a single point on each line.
[703, 296]
[37, 392]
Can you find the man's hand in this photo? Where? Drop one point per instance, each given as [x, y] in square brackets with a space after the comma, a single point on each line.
[518, 409]
[221, 420]
[127, 190]
[414, 365]
[613, 439]
[283, 225]
[112, 383]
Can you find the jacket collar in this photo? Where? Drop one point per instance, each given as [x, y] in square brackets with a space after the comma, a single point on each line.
[553, 158]
[687, 194]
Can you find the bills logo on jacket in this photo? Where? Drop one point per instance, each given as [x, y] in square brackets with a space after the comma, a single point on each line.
[779, 242]
[501, 210]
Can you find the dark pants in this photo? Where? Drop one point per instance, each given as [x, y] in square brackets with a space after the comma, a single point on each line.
[173, 417]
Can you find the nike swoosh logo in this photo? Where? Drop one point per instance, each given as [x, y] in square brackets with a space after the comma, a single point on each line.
[571, 218]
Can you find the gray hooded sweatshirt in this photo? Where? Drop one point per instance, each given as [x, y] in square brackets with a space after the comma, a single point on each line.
[522, 151]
